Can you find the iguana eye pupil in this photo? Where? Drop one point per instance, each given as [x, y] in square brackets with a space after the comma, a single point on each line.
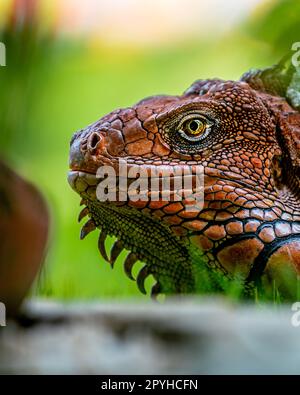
[194, 127]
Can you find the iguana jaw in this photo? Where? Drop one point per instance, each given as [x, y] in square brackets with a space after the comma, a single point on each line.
[147, 239]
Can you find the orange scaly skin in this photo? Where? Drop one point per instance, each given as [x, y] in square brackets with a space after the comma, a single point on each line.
[250, 223]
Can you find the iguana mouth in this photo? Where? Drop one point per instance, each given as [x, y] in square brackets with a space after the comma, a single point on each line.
[144, 237]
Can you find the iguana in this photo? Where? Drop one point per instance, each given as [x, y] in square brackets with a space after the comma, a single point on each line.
[246, 135]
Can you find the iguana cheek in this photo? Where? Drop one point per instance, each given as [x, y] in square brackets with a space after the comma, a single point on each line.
[139, 148]
[160, 148]
[238, 259]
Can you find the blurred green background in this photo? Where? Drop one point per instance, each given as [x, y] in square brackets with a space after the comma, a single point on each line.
[66, 68]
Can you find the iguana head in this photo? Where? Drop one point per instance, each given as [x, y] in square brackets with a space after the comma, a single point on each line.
[241, 135]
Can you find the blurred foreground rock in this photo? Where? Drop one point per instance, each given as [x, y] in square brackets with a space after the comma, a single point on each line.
[24, 225]
[186, 336]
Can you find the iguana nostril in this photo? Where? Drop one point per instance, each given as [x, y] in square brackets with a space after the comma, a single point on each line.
[94, 140]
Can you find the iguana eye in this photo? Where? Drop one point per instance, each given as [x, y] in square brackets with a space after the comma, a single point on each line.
[194, 129]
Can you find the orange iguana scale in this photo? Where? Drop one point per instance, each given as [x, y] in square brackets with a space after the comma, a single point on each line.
[246, 135]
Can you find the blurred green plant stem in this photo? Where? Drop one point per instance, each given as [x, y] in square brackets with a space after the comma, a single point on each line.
[27, 54]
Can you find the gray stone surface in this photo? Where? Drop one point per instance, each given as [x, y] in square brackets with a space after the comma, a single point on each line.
[178, 337]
